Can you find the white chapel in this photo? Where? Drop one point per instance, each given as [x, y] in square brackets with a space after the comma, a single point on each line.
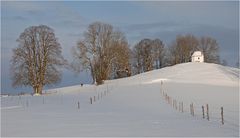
[197, 56]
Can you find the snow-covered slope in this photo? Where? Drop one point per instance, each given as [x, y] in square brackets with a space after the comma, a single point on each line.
[133, 106]
[200, 73]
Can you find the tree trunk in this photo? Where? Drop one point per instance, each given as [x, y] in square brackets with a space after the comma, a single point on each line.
[38, 89]
[92, 73]
[35, 89]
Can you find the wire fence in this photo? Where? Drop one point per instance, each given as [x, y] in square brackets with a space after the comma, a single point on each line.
[205, 111]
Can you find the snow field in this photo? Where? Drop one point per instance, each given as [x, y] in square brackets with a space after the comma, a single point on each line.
[133, 106]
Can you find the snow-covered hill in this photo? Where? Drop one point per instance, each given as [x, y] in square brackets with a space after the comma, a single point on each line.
[133, 106]
[200, 73]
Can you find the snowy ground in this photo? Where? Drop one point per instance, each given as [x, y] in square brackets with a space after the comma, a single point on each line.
[132, 106]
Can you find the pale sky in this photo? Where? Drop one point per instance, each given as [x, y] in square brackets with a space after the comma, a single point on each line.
[138, 20]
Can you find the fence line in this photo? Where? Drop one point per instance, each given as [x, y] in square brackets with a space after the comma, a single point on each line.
[180, 107]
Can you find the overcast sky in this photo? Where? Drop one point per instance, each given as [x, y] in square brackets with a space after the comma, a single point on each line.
[138, 20]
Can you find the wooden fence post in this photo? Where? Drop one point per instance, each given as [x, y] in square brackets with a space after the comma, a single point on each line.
[169, 100]
[207, 113]
[90, 100]
[192, 109]
[222, 115]
[182, 107]
[179, 107]
[173, 103]
[78, 105]
[176, 104]
[203, 112]
[107, 88]
[161, 87]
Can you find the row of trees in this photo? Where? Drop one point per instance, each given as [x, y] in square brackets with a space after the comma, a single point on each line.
[104, 51]
[184, 46]
[153, 54]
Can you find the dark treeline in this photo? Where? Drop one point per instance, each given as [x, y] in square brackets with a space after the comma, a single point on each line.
[103, 51]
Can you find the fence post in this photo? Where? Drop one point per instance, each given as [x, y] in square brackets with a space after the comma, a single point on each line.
[173, 103]
[176, 104]
[207, 113]
[168, 100]
[107, 88]
[90, 100]
[161, 87]
[182, 107]
[98, 96]
[94, 98]
[203, 112]
[179, 107]
[222, 115]
[192, 109]
[78, 105]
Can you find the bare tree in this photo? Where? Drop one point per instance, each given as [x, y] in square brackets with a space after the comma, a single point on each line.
[173, 56]
[96, 52]
[209, 47]
[182, 48]
[158, 53]
[36, 60]
[186, 46]
[143, 55]
[137, 58]
[121, 52]
[146, 53]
